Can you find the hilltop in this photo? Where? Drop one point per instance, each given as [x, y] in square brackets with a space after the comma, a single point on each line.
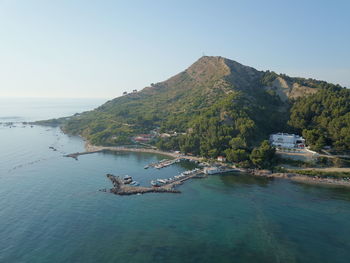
[217, 106]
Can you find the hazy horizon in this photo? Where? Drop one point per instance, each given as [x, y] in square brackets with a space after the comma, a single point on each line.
[85, 49]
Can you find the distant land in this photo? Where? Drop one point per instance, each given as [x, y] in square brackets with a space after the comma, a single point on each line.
[219, 107]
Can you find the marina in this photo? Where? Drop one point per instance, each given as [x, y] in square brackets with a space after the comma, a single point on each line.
[125, 185]
[182, 176]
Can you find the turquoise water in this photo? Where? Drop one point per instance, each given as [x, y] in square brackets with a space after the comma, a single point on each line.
[51, 210]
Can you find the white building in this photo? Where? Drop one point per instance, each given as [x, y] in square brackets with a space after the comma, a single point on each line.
[218, 170]
[286, 140]
[221, 159]
[211, 170]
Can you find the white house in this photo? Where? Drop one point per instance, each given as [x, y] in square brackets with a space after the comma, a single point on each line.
[286, 140]
[221, 159]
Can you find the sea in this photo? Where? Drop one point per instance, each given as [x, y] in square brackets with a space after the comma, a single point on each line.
[52, 209]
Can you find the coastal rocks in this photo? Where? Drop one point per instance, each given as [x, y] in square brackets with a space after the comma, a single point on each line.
[319, 180]
[53, 148]
[142, 190]
[75, 155]
[300, 178]
[257, 172]
[120, 188]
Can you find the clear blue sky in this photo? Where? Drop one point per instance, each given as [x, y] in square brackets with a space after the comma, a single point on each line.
[101, 48]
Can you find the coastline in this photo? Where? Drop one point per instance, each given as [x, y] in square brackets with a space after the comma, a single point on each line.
[93, 148]
[255, 172]
[301, 178]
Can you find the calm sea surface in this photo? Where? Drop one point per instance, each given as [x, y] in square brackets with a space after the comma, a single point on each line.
[51, 209]
[34, 109]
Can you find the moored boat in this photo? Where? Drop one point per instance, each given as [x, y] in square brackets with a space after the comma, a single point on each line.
[155, 183]
[134, 183]
[127, 179]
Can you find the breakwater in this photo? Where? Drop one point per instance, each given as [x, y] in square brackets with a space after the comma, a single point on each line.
[75, 155]
[120, 188]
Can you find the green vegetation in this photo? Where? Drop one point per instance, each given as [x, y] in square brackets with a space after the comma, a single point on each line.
[263, 156]
[232, 124]
[324, 118]
[220, 107]
[268, 78]
[319, 162]
[336, 175]
[292, 162]
[332, 162]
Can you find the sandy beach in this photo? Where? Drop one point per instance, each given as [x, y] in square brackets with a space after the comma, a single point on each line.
[93, 148]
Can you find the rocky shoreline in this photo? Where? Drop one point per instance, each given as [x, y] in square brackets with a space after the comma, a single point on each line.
[300, 178]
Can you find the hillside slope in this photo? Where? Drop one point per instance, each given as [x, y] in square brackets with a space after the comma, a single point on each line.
[216, 104]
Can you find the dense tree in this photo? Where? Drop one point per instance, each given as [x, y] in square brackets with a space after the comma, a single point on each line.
[237, 155]
[167, 144]
[263, 156]
[324, 118]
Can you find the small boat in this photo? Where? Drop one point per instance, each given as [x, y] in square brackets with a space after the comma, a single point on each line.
[146, 167]
[127, 179]
[155, 183]
[161, 181]
[134, 183]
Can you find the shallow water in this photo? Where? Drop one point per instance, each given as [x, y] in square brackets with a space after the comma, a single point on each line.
[51, 210]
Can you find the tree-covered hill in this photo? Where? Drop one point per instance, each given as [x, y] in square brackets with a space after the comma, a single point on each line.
[216, 107]
[324, 118]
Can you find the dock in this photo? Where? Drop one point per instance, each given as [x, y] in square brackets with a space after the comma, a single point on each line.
[167, 162]
[163, 163]
[120, 188]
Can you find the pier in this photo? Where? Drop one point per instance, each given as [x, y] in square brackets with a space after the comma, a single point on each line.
[167, 162]
[126, 187]
[120, 188]
[75, 155]
[163, 163]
